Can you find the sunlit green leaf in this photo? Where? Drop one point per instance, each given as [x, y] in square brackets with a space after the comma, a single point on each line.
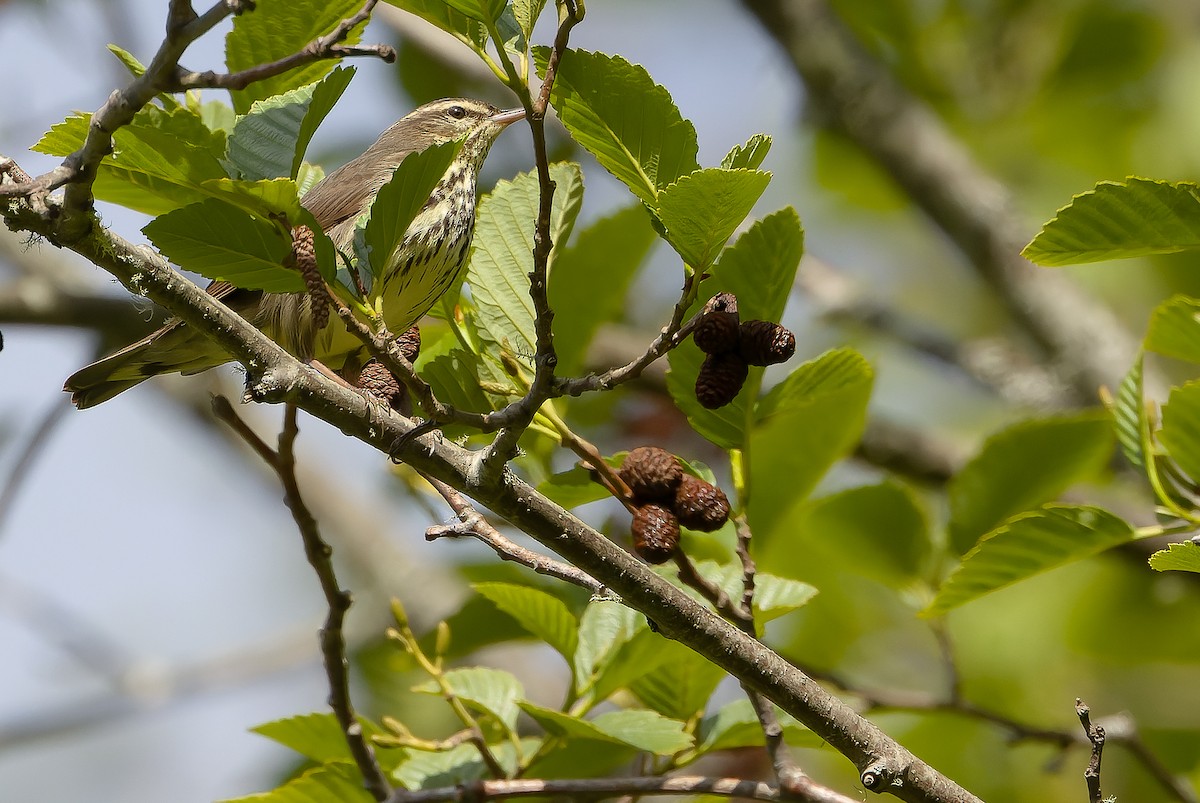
[542, 614]
[338, 782]
[1121, 219]
[459, 765]
[1023, 466]
[1183, 557]
[268, 199]
[1175, 329]
[270, 139]
[482, 10]
[748, 156]
[644, 730]
[1180, 431]
[317, 737]
[527, 13]
[701, 210]
[220, 241]
[736, 725]
[439, 13]
[1029, 544]
[776, 596]
[279, 28]
[680, 685]
[603, 628]
[629, 123]
[1129, 413]
[575, 486]
[502, 256]
[491, 690]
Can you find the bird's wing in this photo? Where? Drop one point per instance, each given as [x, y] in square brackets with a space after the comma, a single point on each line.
[345, 192]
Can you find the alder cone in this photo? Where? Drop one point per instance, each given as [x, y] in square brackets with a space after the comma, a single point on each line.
[655, 533]
[766, 343]
[700, 505]
[651, 473]
[410, 343]
[720, 379]
[304, 258]
[717, 330]
[378, 382]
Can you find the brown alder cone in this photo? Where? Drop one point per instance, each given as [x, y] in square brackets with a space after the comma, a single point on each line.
[717, 330]
[651, 474]
[378, 382]
[304, 259]
[655, 533]
[410, 343]
[720, 379]
[766, 343]
[700, 505]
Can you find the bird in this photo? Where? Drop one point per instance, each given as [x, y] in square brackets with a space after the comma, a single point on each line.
[428, 261]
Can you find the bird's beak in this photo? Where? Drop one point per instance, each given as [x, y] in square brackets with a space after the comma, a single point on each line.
[507, 116]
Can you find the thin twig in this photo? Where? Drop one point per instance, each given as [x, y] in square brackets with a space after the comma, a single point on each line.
[472, 524]
[1095, 735]
[22, 467]
[320, 556]
[595, 789]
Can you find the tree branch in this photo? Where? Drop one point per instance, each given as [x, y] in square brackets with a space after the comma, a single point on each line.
[596, 789]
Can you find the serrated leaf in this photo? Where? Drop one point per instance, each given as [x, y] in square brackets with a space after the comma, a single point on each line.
[1180, 432]
[776, 596]
[1025, 465]
[736, 725]
[750, 155]
[759, 268]
[459, 765]
[613, 247]
[502, 256]
[878, 531]
[542, 614]
[437, 12]
[401, 199]
[680, 685]
[217, 116]
[158, 163]
[482, 10]
[701, 210]
[1174, 329]
[643, 730]
[267, 199]
[642, 653]
[135, 67]
[1029, 544]
[1117, 220]
[278, 28]
[604, 626]
[803, 425]
[338, 782]
[453, 373]
[493, 691]
[527, 13]
[629, 123]
[1183, 557]
[220, 241]
[317, 737]
[1130, 416]
[270, 140]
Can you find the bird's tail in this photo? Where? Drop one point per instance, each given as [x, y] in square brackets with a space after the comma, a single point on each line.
[173, 348]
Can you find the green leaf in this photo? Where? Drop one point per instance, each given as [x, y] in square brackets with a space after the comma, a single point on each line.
[1117, 220]
[1183, 557]
[1175, 329]
[279, 28]
[401, 199]
[1029, 544]
[159, 160]
[459, 765]
[135, 67]
[1130, 416]
[220, 241]
[680, 685]
[482, 10]
[776, 596]
[632, 659]
[329, 783]
[804, 425]
[1180, 432]
[644, 730]
[612, 248]
[759, 268]
[701, 210]
[437, 12]
[1023, 466]
[736, 725]
[502, 256]
[750, 155]
[493, 691]
[878, 531]
[575, 487]
[527, 13]
[268, 199]
[542, 614]
[317, 737]
[270, 140]
[604, 626]
[629, 123]
[217, 116]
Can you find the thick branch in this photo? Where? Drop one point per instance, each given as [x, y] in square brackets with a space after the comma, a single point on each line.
[595, 789]
[857, 95]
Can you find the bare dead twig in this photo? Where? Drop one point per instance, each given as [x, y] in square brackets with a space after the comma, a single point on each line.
[1095, 735]
[320, 556]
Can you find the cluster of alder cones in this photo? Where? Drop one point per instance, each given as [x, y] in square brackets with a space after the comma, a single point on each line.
[732, 347]
[667, 497]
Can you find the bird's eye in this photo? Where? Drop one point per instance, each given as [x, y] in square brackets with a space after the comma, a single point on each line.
[457, 112]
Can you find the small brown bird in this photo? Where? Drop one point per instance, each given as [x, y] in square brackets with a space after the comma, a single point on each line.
[428, 262]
